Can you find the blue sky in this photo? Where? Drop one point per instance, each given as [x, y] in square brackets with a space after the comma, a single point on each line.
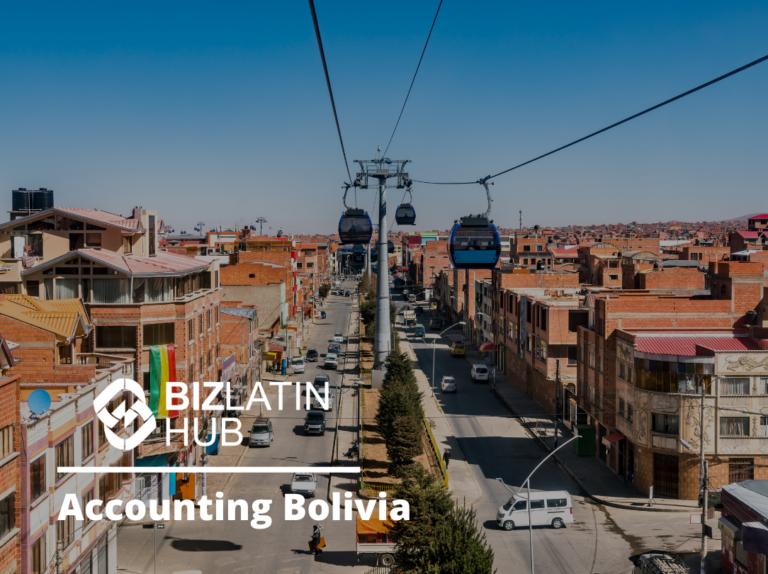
[220, 113]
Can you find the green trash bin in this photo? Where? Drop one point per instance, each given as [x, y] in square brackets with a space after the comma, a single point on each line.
[584, 446]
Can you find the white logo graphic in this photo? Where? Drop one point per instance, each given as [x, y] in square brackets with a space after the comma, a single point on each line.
[139, 408]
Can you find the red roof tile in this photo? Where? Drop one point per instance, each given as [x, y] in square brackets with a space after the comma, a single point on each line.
[686, 346]
[761, 216]
[164, 262]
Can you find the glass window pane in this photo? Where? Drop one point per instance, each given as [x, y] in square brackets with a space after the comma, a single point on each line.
[67, 288]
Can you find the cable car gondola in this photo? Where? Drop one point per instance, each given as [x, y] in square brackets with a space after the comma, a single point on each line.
[475, 241]
[405, 213]
[355, 227]
[358, 256]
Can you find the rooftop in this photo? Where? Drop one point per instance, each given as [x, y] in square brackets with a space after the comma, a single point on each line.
[164, 263]
[684, 344]
[65, 318]
[92, 215]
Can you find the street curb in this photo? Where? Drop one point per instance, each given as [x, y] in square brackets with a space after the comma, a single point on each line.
[576, 479]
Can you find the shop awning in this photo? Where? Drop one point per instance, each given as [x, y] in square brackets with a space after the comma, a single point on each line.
[267, 356]
[613, 437]
[486, 347]
[373, 526]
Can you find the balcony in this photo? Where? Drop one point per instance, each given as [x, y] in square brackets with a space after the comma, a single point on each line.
[107, 364]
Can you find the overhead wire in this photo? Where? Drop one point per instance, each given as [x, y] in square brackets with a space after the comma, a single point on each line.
[605, 129]
[328, 81]
[413, 80]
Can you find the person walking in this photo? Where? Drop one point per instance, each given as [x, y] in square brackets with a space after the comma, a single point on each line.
[317, 536]
[446, 457]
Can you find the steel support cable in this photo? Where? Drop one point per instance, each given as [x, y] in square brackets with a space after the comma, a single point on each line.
[593, 134]
[328, 81]
[413, 80]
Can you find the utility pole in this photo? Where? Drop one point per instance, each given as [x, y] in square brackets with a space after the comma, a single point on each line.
[703, 487]
[261, 221]
[521, 220]
[381, 170]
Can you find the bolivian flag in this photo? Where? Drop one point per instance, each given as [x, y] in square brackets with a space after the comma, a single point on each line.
[162, 369]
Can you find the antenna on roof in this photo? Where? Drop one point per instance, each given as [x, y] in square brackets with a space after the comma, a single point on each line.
[39, 401]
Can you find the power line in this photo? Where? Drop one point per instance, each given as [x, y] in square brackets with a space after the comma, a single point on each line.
[328, 81]
[413, 80]
[657, 106]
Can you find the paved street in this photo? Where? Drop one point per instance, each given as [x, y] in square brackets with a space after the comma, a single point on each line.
[495, 445]
[235, 547]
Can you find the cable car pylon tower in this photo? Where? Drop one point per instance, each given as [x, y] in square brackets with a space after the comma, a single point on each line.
[381, 170]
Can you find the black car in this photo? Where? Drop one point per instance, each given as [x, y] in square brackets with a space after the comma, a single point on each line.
[314, 423]
[312, 356]
[346, 294]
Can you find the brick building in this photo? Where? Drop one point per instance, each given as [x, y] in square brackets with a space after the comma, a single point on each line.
[239, 342]
[742, 525]
[10, 469]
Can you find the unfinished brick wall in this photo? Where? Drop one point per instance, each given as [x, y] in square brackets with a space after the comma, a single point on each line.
[672, 278]
[10, 472]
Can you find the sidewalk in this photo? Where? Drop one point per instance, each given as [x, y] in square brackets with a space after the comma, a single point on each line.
[588, 472]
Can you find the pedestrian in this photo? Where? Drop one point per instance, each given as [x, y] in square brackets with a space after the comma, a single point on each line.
[446, 457]
[555, 447]
[317, 536]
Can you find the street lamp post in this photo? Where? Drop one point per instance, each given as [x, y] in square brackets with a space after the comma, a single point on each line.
[527, 483]
[704, 495]
[433, 353]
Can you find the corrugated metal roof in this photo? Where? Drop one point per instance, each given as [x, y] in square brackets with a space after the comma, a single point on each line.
[163, 263]
[244, 313]
[65, 318]
[92, 215]
[686, 345]
[753, 493]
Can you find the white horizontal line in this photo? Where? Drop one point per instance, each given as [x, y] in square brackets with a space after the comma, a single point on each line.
[212, 469]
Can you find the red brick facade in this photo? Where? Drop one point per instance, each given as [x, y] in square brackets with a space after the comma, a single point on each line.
[10, 475]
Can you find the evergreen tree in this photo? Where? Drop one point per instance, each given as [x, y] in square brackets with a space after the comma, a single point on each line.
[397, 400]
[404, 444]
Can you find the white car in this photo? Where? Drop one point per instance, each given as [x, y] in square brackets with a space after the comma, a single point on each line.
[479, 373]
[304, 483]
[298, 365]
[338, 338]
[448, 385]
[331, 361]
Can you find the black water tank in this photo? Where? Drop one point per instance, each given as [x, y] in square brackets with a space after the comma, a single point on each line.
[42, 199]
[20, 200]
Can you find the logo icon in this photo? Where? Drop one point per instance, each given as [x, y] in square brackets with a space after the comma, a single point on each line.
[139, 408]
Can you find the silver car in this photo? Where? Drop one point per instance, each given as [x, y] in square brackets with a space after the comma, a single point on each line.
[261, 433]
[304, 483]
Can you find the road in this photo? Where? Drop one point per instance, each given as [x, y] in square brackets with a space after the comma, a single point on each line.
[233, 547]
[495, 445]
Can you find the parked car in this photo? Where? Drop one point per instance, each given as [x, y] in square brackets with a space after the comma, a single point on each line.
[553, 508]
[314, 423]
[434, 324]
[322, 315]
[334, 348]
[331, 361]
[312, 355]
[347, 293]
[458, 349]
[448, 385]
[338, 338]
[298, 365]
[261, 433]
[479, 373]
[304, 483]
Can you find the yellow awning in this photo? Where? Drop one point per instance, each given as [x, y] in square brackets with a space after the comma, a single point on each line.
[269, 355]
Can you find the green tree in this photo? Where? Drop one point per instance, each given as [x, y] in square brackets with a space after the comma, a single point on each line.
[399, 368]
[440, 537]
[368, 312]
[324, 290]
[404, 444]
[397, 400]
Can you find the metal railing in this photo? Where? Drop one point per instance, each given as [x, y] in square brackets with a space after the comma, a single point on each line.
[436, 450]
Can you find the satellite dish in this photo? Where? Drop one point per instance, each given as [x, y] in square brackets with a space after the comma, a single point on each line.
[39, 401]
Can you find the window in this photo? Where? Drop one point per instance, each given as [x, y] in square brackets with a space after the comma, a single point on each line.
[65, 455]
[252, 276]
[127, 245]
[86, 564]
[601, 326]
[158, 334]
[35, 243]
[33, 288]
[538, 248]
[520, 505]
[7, 514]
[114, 337]
[741, 469]
[151, 290]
[87, 497]
[201, 365]
[735, 386]
[65, 532]
[191, 372]
[67, 288]
[85, 288]
[613, 277]
[102, 434]
[200, 323]
[108, 486]
[210, 354]
[37, 473]
[6, 442]
[86, 439]
[591, 358]
[208, 319]
[543, 319]
[537, 504]
[76, 241]
[93, 240]
[630, 412]
[665, 424]
[217, 320]
[763, 387]
[543, 346]
[572, 355]
[556, 503]
[621, 407]
[526, 247]
[592, 395]
[39, 560]
[111, 291]
[151, 238]
[734, 426]
[191, 328]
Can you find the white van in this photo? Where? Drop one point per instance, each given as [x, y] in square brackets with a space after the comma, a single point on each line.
[298, 365]
[547, 508]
